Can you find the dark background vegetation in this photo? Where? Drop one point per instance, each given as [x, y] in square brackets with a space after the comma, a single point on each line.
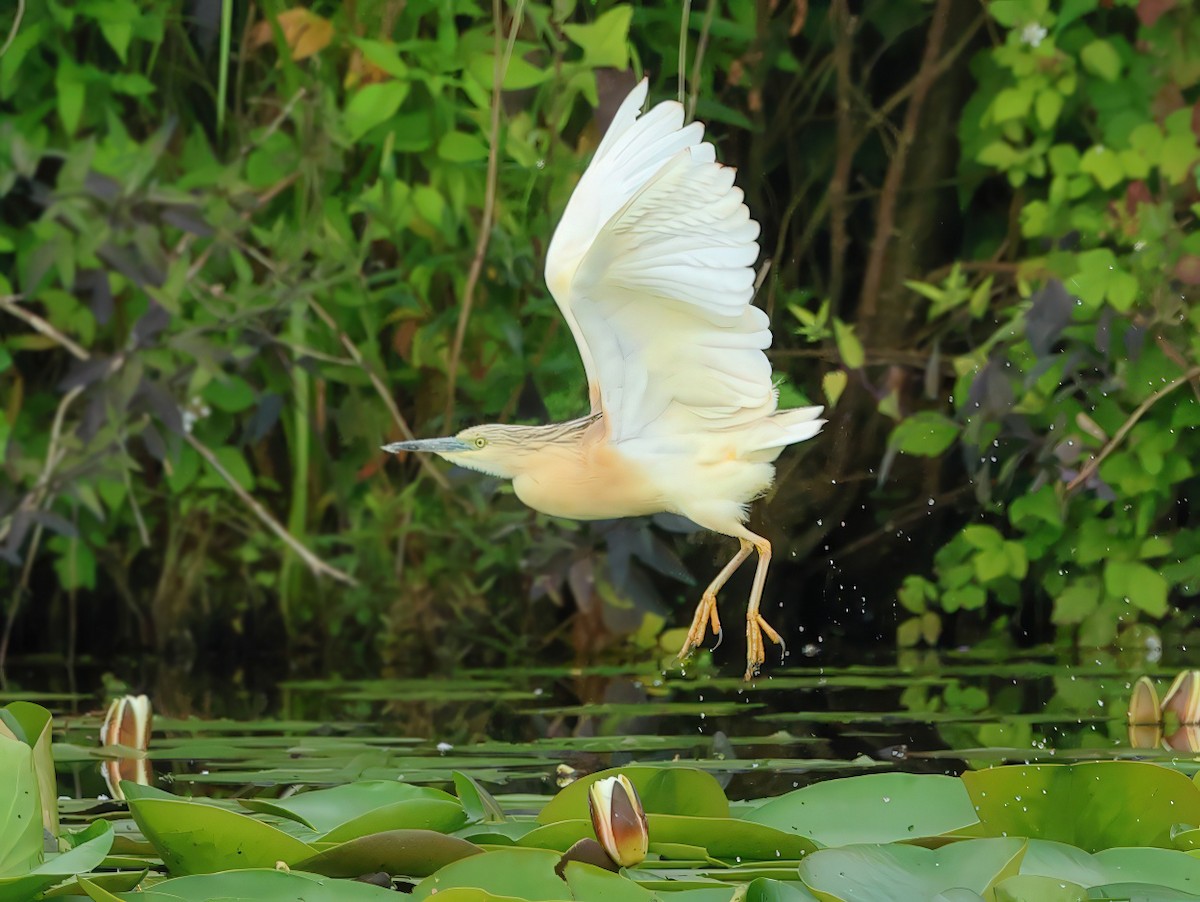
[243, 245]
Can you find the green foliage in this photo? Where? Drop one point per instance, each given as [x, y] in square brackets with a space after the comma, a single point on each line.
[217, 272]
[1078, 410]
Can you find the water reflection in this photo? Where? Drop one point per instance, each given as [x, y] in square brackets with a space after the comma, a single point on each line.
[528, 730]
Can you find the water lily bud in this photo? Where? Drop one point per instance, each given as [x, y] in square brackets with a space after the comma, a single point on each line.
[1145, 716]
[1183, 698]
[619, 819]
[127, 723]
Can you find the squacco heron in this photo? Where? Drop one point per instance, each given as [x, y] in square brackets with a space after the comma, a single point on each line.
[652, 268]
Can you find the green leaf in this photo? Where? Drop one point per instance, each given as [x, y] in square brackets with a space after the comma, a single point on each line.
[926, 434]
[1103, 165]
[663, 790]
[71, 92]
[1094, 805]
[323, 810]
[477, 802]
[605, 42]
[459, 147]
[1179, 152]
[414, 853]
[879, 873]
[1049, 104]
[1144, 587]
[20, 809]
[373, 105]
[850, 349]
[232, 394]
[870, 808]
[833, 384]
[194, 838]
[1162, 868]
[35, 723]
[89, 848]
[249, 884]
[1077, 602]
[1011, 104]
[520, 74]
[1101, 58]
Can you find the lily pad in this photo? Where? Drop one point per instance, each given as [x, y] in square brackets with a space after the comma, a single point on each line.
[201, 839]
[529, 874]
[20, 809]
[871, 808]
[412, 853]
[90, 847]
[663, 790]
[262, 884]
[413, 814]
[1093, 805]
[324, 809]
[1166, 868]
[888, 873]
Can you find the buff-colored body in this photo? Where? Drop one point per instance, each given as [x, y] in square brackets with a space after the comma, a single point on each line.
[651, 267]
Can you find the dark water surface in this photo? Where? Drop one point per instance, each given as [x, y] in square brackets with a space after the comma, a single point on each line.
[529, 730]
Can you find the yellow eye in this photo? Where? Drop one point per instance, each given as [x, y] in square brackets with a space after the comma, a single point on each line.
[480, 442]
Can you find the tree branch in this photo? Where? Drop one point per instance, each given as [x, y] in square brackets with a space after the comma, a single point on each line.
[499, 69]
[1090, 468]
[886, 219]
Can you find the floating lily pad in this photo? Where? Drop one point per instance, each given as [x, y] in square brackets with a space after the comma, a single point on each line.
[324, 809]
[411, 853]
[1093, 805]
[264, 884]
[871, 808]
[663, 790]
[90, 847]
[529, 874]
[889, 873]
[200, 839]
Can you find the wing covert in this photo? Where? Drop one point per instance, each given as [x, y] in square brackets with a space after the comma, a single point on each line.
[652, 268]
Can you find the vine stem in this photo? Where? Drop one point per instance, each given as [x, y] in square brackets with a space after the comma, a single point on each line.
[499, 69]
[1090, 468]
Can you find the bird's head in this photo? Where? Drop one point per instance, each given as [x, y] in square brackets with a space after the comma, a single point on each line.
[495, 450]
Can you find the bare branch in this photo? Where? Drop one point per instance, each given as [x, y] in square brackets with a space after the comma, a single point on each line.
[489, 202]
[12, 304]
[314, 563]
[1090, 468]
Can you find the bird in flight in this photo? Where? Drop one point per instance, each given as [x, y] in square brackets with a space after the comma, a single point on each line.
[652, 268]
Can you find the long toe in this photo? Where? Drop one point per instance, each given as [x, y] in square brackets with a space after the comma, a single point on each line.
[706, 612]
[755, 648]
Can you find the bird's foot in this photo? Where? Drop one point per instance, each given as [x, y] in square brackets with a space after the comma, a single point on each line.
[755, 649]
[706, 616]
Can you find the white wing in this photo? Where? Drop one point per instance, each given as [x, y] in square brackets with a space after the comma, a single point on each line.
[652, 267]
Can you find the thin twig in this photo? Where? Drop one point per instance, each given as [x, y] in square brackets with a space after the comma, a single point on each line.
[842, 25]
[33, 501]
[710, 13]
[314, 563]
[381, 389]
[16, 26]
[886, 223]
[499, 70]
[684, 15]
[1090, 468]
[11, 304]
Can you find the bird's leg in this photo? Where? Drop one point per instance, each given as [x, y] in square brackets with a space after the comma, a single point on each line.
[755, 624]
[706, 611]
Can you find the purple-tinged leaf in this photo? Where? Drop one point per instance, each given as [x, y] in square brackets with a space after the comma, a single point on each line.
[150, 324]
[1049, 314]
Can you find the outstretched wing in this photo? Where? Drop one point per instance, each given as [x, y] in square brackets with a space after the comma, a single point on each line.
[652, 267]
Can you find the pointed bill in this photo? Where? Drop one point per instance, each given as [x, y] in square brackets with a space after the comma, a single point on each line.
[434, 445]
